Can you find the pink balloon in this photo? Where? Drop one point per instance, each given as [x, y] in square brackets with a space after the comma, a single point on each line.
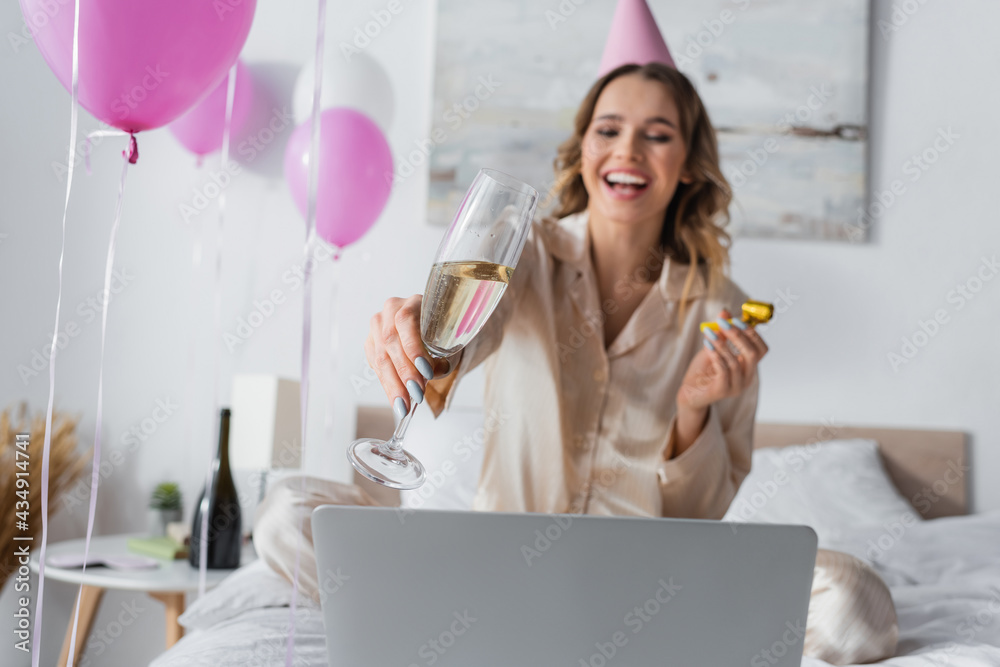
[355, 174]
[200, 129]
[142, 63]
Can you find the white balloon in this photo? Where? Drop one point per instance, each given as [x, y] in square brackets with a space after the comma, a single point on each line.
[361, 84]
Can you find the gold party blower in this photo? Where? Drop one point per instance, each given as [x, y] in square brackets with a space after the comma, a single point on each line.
[754, 312]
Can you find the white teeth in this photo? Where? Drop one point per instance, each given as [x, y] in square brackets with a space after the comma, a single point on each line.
[625, 178]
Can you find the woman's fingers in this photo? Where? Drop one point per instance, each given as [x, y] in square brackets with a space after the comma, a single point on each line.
[748, 353]
[723, 360]
[747, 341]
[408, 330]
[380, 362]
[719, 346]
[757, 342]
[720, 366]
[400, 337]
[393, 348]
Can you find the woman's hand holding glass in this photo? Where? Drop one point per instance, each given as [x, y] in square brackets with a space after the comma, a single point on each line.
[396, 353]
[413, 339]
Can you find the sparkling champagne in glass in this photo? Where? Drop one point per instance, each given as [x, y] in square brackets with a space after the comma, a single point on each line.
[474, 265]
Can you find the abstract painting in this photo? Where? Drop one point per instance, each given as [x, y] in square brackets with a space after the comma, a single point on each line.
[785, 83]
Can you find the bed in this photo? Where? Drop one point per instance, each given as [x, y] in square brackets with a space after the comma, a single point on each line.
[896, 498]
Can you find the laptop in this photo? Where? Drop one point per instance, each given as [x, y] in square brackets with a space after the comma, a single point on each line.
[420, 588]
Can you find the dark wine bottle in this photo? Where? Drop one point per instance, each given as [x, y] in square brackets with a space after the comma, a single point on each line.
[223, 515]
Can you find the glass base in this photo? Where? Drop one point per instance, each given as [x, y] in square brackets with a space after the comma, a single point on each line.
[367, 458]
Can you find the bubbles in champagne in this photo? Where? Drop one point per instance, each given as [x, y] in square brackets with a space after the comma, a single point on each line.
[458, 299]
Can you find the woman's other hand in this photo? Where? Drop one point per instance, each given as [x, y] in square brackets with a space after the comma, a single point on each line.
[716, 372]
[397, 355]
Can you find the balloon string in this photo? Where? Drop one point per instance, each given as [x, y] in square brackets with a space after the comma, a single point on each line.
[190, 383]
[95, 477]
[203, 543]
[307, 301]
[103, 133]
[47, 443]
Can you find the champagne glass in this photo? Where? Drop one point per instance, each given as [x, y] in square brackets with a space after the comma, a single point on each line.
[471, 271]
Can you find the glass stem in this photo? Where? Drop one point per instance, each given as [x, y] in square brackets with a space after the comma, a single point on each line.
[393, 447]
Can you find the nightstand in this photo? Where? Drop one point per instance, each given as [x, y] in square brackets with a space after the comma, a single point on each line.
[167, 583]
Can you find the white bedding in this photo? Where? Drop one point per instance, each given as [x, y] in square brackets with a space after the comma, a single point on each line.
[944, 576]
[255, 638]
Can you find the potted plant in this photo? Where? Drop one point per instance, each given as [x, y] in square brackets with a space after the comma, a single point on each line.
[165, 506]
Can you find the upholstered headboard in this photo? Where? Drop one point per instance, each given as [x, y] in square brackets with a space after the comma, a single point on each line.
[928, 467]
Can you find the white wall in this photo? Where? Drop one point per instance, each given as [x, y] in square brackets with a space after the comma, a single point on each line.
[829, 349]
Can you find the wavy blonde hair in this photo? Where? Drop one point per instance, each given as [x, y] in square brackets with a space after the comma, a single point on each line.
[693, 231]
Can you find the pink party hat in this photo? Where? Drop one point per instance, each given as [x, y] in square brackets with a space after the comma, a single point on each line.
[634, 38]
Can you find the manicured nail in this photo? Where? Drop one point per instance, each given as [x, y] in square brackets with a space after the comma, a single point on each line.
[416, 393]
[708, 345]
[724, 324]
[710, 334]
[425, 368]
[399, 407]
[739, 324]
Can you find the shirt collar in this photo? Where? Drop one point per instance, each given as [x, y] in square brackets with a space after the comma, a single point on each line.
[568, 239]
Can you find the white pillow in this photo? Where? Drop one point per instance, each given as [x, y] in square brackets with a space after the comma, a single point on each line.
[253, 586]
[832, 486]
[451, 449]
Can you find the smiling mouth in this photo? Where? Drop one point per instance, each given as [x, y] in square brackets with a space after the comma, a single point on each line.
[625, 183]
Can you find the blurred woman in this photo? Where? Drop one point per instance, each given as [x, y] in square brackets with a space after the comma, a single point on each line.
[613, 400]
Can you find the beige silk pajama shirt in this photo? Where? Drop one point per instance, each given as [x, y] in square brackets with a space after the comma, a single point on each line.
[588, 429]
